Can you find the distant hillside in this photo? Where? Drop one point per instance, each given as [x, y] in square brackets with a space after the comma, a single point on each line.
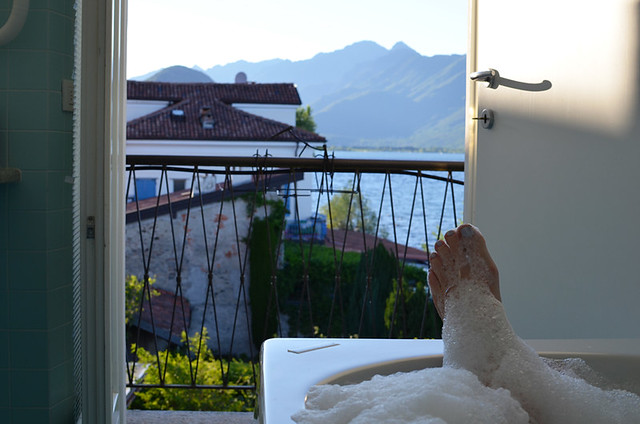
[366, 96]
[179, 74]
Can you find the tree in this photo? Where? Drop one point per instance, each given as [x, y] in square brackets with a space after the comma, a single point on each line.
[354, 207]
[134, 290]
[304, 119]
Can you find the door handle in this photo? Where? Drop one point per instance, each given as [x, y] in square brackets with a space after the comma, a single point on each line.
[495, 80]
[486, 76]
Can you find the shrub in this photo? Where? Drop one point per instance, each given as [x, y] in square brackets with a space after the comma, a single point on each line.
[210, 371]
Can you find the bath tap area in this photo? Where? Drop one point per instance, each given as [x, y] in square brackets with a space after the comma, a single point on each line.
[290, 367]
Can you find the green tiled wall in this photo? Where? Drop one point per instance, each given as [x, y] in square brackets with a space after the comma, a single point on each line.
[36, 359]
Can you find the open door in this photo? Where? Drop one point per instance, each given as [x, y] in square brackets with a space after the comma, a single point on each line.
[552, 180]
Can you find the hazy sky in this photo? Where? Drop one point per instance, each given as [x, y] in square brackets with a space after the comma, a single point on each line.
[206, 33]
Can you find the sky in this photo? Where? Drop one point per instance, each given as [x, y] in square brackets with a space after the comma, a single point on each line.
[163, 33]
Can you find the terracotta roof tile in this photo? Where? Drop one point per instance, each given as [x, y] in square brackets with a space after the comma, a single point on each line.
[229, 123]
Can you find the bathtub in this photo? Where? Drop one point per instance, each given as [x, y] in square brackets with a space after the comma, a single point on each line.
[289, 367]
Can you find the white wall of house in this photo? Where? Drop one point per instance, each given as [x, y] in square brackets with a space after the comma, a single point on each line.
[218, 148]
[281, 113]
[138, 108]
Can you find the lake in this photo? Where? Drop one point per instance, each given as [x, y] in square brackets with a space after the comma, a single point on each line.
[402, 189]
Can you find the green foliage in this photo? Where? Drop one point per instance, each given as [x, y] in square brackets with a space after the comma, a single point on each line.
[363, 306]
[304, 120]
[133, 288]
[263, 243]
[410, 309]
[321, 282]
[376, 271]
[350, 212]
[210, 371]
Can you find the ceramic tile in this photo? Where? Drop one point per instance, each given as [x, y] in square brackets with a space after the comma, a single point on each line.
[28, 150]
[27, 70]
[4, 54]
[4, 271]
[5, 391]
[58, 191]
[59, 307]
[61, 151]
[27, 110]
[59, 345]
[58, 120]
[4, 309]
[34, 33]
[62, 413]
[27, 270]
[59, 272]
[30, 415]
[29, 389]
[4, 112]
[4, 217]
[29, 349]
[27, 230]
[4, 349]
[60, 67]
[30, 194]
[60, 33]
[61, 382]
[59, 229]
[27, 310]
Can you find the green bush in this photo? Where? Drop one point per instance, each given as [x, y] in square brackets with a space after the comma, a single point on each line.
[263, 243]
[179, 367]
[365, 303]
[328, 314]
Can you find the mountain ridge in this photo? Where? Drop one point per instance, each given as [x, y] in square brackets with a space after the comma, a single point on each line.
[365, 96]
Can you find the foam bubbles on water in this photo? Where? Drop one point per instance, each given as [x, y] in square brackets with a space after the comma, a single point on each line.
[489, 376]
[436, 395]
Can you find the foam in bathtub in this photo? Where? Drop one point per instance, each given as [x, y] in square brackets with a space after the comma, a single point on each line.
[436, 395]
[488, 372]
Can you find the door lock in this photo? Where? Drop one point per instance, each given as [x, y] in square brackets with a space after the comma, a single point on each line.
[485, 118]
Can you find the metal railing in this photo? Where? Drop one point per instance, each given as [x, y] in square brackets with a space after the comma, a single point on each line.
[233, 250]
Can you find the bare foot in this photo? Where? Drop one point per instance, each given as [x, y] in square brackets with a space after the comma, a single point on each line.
[461, 258]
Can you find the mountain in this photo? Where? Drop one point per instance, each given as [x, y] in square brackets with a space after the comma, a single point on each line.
[367, 96]
[179, 74]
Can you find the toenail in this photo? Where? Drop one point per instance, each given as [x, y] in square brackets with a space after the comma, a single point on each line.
[433, 255]
[439, 243]
[466, 231]
[450, 233]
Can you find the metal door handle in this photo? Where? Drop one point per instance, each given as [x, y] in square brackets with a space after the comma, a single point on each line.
[486, 76]
[495, 80]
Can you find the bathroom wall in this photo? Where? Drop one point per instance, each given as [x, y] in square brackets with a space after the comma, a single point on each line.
[36, 361]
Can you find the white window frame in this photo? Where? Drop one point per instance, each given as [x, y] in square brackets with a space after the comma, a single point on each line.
[102, 117]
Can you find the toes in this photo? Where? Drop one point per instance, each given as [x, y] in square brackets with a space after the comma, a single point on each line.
[453, 240]
[435, 264]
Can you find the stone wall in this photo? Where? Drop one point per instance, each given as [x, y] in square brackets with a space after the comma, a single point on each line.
[229, 264]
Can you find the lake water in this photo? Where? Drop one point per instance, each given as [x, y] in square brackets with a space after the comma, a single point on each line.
[402, 189]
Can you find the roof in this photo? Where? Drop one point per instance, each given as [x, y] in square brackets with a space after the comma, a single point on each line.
[279, 93]
[230, 124]
[169, 315]
[353, 242]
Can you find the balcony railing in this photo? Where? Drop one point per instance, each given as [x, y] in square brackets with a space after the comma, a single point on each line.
[231, 251]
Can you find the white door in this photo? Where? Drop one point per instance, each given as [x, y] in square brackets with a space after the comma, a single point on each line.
[555, 183]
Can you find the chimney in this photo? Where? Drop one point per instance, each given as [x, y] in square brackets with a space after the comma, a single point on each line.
[241, 78]
[206, 117]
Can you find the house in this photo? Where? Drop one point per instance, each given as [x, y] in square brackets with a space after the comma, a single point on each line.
[211, 119]
[62, 226]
